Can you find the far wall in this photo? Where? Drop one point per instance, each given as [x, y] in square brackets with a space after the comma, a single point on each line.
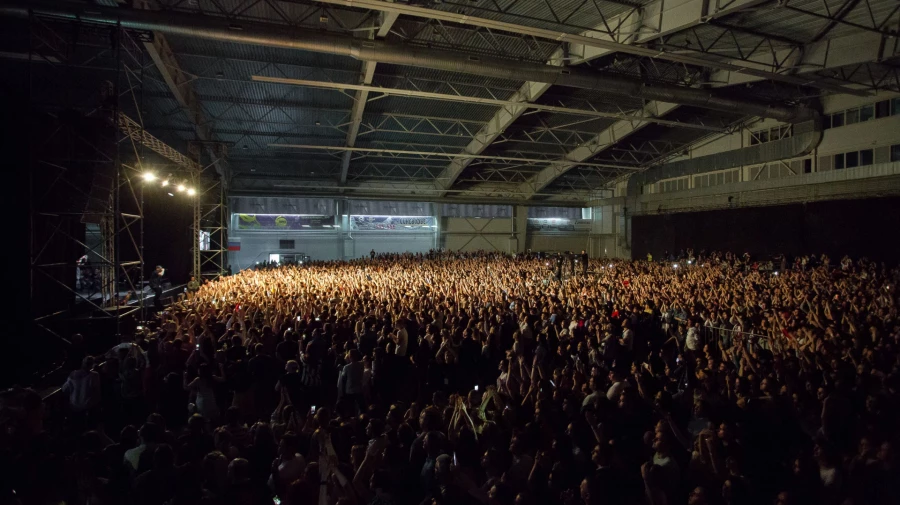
[855, 227]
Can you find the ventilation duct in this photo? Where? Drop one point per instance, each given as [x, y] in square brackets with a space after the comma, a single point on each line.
[805, 138]
[222, 30]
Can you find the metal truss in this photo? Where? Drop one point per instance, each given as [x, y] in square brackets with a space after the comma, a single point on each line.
[874, 76]
[209, 228]
[138, 135]
[766, 52]
[603, 39]
[393, 190]
[294, 14]
[392, 171]
[315, 15]
[642, 152]
[85, 169]
[886, 25]
[478, 40]
[453, 95]
[366, 74]
[427, 155]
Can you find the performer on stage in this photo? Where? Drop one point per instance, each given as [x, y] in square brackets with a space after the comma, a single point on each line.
[156, 286]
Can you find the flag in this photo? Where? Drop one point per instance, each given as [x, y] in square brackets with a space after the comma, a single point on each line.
[234, 243]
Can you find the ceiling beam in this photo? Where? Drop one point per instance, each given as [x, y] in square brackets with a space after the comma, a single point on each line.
[563, 162]
[250, 185]
[483, 101]
[660, 16]
[367, 73]
[179, 83]
[505, 116]
[659, 19]
[604, 140]
[828, 54]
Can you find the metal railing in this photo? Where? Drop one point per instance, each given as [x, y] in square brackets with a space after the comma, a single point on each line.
[717, 337]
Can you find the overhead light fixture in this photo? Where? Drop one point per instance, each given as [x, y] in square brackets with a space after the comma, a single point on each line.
[149, 176]
[181, 187]
[191, 192]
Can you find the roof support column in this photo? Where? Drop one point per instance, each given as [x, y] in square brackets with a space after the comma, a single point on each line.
[367, 73]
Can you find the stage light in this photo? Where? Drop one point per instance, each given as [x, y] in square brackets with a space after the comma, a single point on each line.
[191, 192]
[180, 187]
[149, 176]
[165, 182]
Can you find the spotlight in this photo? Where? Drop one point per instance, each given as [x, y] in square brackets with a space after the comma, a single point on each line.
[191, 192]
[165, 182]
[149, 176]
[180, 187]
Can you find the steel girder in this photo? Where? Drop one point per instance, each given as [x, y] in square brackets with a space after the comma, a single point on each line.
[586, 151]
[366, 74]
[824, 60]
[392, 190]
[698, 11]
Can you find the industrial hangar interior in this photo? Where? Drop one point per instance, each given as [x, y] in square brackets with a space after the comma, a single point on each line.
[173, 146]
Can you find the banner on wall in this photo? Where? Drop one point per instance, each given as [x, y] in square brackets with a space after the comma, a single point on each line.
[283, 222]
[551, 224]
[392, 223]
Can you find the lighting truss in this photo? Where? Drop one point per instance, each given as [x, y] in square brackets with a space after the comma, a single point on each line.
[85, 170]
[209, 210]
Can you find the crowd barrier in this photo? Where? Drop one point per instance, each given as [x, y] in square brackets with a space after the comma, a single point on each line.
[718, 337]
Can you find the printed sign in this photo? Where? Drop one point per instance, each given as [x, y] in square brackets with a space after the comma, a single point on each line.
[551, 224]
[392, 223]
[282, 222]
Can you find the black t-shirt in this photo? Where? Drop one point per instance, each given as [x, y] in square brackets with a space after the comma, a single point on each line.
[293, 383]
[287, 350]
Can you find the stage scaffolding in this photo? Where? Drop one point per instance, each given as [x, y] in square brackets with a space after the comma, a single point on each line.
[209, 249]
[87, 155]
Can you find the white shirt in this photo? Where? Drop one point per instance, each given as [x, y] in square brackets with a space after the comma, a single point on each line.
[83, 389]
[612, 394]
[628, 338]
[692, 340]
[402, 342]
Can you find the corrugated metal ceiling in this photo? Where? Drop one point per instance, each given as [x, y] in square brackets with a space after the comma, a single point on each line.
[254, 114]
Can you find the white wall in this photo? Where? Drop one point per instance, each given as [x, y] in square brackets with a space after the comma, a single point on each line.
[257, 245]
[472, 234]
[558, 241]
[364, 242]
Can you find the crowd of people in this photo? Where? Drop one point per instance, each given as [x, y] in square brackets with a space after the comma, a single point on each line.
[482, 378]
